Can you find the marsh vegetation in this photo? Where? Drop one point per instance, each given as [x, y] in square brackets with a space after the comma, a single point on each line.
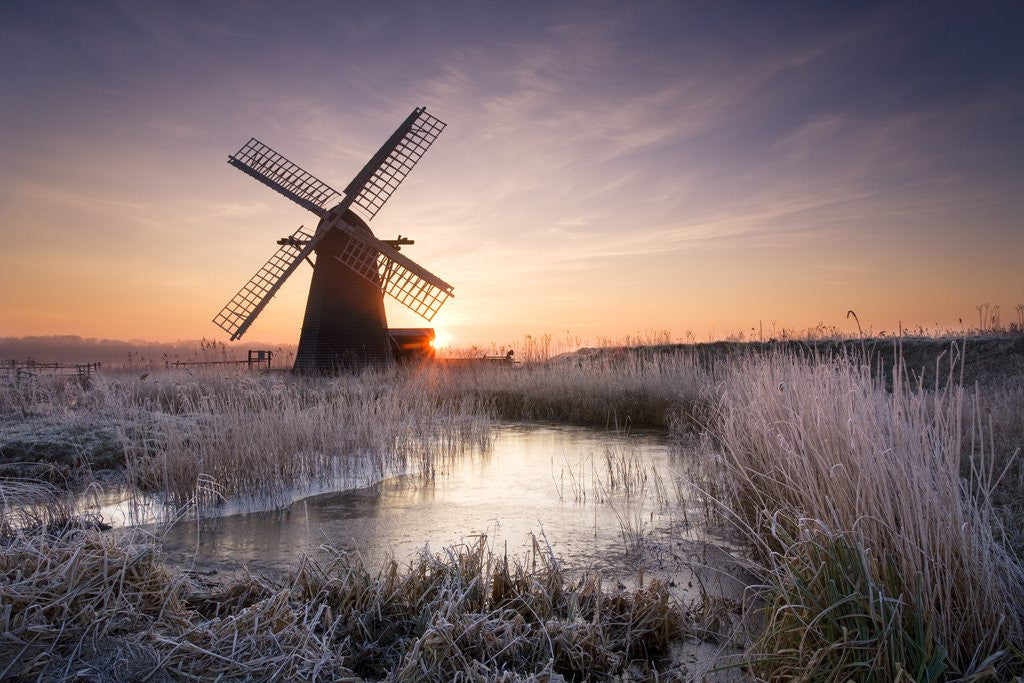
[880, 507]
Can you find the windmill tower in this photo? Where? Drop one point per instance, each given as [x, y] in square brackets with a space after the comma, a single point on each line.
[345, 324]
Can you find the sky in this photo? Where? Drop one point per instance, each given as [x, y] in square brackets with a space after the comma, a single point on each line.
[609, 169]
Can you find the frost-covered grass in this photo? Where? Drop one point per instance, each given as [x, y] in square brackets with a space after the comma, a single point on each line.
[239, 434]
[612, 389]
[246, 435]
[874, 506]
[261, 435]
[85, 605]
[879, 558]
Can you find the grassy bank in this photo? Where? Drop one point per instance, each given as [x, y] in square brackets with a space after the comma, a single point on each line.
[612, 391]
[984, 359]
[880, 559]
[96, 606]
[881, 495]
[195, 437]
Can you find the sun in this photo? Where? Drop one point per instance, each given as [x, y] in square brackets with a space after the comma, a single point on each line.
[440, 340]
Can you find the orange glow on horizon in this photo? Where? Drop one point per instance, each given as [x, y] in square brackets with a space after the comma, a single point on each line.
[764, 172]
[441, 340]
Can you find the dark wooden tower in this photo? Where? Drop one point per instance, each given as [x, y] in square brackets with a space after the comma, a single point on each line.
[345, 325]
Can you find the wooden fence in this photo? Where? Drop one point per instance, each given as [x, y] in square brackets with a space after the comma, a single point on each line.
[25, 370]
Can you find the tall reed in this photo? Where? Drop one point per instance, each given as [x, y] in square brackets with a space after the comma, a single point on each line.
[608, 389]
[259, 436]
[854, 498]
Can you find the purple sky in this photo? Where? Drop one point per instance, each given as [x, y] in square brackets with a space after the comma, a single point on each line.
[609, 168]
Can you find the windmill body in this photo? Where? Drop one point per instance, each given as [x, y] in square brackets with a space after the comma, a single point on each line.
[345, 324]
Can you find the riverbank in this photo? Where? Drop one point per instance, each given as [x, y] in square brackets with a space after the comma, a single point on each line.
[826, 462]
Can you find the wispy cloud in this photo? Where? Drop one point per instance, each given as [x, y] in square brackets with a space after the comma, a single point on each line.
[52, 195]
[588, 143]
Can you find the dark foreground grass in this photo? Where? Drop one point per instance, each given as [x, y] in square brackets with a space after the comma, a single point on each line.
[88, 606]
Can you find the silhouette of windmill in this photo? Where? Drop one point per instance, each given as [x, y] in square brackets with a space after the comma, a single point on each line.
[345, 325]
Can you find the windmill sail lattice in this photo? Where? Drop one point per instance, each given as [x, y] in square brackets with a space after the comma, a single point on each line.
[288, 178]
[409, 283]
[345, 323]
[385, 171]
[243, 308]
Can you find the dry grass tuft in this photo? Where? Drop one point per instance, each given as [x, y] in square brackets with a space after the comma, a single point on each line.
[612, 390]
[469, 614]
[33, 504]
[854, 499]
[62, 595]
[83, 601]
[261, 437]
[198, 437]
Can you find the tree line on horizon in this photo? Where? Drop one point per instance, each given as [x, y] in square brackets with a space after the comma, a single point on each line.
[76, 349]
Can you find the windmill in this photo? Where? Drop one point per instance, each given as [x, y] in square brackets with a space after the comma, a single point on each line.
[345, 323]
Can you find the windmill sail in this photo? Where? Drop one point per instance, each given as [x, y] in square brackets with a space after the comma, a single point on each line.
[385, 171]
[241, 311]
[409, 283]
[280, 174]
[345, 322]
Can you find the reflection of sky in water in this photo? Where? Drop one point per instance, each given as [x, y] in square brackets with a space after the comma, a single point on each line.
[522, 485]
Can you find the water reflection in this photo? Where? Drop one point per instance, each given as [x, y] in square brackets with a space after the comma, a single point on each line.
[586, 490]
